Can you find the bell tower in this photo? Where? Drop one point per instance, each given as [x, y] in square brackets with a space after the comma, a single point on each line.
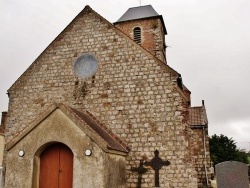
[146, 27]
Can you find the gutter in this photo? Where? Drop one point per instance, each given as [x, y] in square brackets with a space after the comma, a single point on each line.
[198, 126]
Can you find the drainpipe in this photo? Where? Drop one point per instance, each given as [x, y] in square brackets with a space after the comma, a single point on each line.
[205, 155]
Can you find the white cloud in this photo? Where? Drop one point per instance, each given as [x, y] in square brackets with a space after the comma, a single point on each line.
[238, 130]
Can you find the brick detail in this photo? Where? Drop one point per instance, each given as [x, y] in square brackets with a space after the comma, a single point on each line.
[153, 37]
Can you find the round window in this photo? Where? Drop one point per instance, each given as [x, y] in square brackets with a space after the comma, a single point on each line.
[85, 66]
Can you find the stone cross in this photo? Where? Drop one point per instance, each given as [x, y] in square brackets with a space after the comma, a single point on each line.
[157, 163]
[141, 170]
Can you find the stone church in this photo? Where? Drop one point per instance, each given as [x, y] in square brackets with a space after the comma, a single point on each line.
[101, 108]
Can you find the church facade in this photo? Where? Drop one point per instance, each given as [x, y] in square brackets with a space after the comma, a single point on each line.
[100, 107]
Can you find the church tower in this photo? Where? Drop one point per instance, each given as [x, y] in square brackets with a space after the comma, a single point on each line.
[100, 101]
[146, 27]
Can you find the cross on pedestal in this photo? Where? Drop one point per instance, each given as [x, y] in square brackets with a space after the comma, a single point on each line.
[141, 170]
[157, 163]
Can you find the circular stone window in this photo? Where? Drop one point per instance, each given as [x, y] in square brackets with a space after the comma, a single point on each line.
[85, 66]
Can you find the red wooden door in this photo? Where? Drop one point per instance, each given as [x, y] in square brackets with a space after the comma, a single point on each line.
[56, 167]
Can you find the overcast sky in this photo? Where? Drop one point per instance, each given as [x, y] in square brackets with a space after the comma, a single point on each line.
[209, 46]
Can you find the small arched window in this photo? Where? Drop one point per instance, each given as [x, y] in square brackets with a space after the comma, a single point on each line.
[137, 35]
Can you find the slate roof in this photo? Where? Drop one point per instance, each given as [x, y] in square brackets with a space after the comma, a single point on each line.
[198, 116]
[142, 12]
[138, 13]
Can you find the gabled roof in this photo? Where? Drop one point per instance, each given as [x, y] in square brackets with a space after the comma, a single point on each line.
[88, 9]
[85, 121]
[142, 12]
[198, 116]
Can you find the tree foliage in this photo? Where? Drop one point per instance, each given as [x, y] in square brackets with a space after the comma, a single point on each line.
[223, 148]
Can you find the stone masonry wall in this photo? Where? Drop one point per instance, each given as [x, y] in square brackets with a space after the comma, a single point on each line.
[200, 158]
[133, 93]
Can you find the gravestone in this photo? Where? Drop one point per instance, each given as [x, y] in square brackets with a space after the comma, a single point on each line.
[232, 174]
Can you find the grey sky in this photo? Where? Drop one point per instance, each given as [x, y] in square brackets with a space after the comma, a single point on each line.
[209, 45]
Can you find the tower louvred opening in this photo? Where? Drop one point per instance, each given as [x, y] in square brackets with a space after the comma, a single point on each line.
[137, 35]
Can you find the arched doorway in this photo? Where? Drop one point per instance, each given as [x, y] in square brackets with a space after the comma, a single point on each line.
[56, 167]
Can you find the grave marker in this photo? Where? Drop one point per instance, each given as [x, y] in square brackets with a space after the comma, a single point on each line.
[232, 174]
